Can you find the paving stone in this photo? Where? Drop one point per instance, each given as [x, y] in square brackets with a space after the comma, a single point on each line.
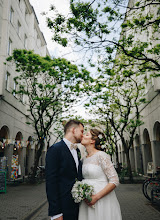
[20, 201]
[134, 205]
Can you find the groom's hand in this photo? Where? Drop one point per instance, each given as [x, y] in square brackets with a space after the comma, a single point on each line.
[60, 218]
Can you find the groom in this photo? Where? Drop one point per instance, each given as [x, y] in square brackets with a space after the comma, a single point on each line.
[63, 167]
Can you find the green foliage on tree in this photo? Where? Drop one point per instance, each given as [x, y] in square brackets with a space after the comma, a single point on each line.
[95, 26]
[50, 88]
[124, 64]
[118, 100]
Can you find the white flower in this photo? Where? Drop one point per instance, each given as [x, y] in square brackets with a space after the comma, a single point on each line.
[103, 146]
[100, 136]
[81, 191]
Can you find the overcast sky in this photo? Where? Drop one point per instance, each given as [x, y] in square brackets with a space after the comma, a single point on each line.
[41, 6]
[55, 49]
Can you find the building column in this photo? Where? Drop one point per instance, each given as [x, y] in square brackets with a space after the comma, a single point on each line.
[138, 159]
[124, 161]
[156, 154]
[21, 159]
[146, 156]
[113, 159]
[8, 153]
[31, 159]
[132, 159]
[119, 157]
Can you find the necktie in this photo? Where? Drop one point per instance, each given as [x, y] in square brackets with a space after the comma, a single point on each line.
[73, 146]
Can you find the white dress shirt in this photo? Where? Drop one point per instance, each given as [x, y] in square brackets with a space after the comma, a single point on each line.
[73, 151]
[75, 156]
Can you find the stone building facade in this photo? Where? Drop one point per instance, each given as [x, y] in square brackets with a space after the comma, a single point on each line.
[145, 153]
[19, 29]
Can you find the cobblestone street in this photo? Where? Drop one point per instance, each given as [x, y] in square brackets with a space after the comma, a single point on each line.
[134, 205]
[21, 200]
[26, 202]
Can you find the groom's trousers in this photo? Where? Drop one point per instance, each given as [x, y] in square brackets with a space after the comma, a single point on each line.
[70, 217]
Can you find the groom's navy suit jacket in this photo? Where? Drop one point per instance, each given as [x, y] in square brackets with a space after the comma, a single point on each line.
[61, 173]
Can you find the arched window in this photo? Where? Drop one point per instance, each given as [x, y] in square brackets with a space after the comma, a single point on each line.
[4, 135]
[156, 131]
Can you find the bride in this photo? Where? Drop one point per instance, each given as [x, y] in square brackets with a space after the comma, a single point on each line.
[99, 172]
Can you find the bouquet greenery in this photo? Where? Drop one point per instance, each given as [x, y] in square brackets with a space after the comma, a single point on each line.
[81, 191]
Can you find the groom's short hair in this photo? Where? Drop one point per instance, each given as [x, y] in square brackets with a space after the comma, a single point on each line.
[70, 124]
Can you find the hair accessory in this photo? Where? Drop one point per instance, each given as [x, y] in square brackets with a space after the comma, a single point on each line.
[102, 141]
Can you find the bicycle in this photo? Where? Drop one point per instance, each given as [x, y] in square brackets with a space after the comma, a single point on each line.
[150, 184]
[39, 177]
[155, 195]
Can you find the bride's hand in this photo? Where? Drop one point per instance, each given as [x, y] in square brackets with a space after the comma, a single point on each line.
[94, 200]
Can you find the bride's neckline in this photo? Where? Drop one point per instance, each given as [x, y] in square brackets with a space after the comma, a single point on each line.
[92, 154]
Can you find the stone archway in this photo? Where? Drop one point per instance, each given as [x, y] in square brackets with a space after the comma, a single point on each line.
[29, 158]
[4, 135]
[146, 150]
[19, 136]
[18, 151]
[5, 150]
[17, 145]
[156, 131]
[138, 155]
[156, 145]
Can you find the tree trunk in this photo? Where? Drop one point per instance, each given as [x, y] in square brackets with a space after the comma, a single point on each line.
[129, 166]
[117, 160]
[36, 161]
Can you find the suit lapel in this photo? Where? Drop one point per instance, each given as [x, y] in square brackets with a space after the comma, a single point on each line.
[79, 160]
[69, 154]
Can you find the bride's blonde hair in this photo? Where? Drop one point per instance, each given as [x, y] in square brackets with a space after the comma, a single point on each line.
[95, 136]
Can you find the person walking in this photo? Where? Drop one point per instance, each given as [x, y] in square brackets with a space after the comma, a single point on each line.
[63, 167]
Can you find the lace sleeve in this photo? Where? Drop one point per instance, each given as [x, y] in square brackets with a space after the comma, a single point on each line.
[108, 168]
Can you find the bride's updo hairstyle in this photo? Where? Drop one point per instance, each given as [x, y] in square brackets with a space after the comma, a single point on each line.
[98, 141]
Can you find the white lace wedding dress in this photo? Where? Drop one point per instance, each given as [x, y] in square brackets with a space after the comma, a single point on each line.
[98, 171]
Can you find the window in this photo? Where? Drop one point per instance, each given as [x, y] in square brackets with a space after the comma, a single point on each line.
[14, 87]
[25, 41]
[7, 81]
[9, 47]
[11, 15]
[19, 29]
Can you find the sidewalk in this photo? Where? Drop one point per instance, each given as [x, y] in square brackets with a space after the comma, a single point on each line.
[21, 201]
[134, 205]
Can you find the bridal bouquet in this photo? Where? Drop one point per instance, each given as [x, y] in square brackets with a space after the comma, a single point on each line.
[81, 191]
